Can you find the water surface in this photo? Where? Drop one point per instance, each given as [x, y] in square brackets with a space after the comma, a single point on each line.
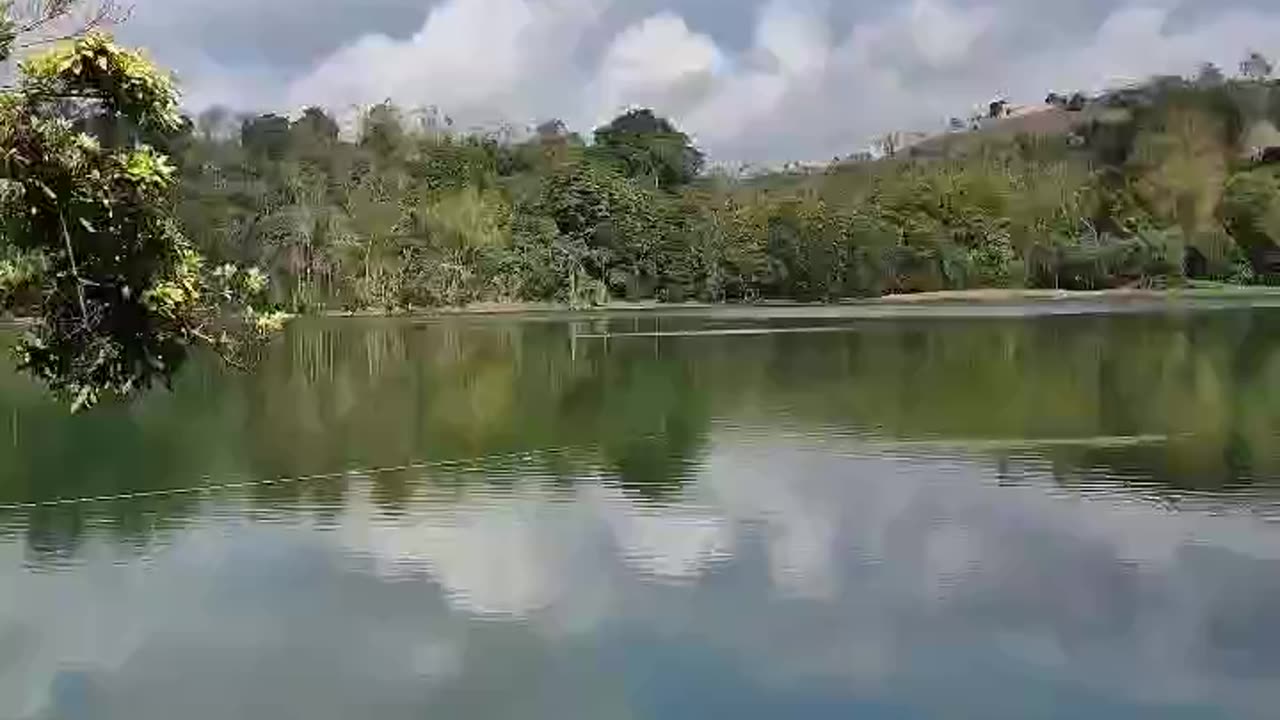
[1011, 511]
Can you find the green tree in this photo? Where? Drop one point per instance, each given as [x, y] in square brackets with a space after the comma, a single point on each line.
[266, 137]
[1251, 212]
[610, 230]
[382, 131]
[644, 145]
[414, 211]
[316, 124]
[119, 295]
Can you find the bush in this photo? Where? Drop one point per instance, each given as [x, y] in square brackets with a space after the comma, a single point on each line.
[1251, 213]
[1097, 263]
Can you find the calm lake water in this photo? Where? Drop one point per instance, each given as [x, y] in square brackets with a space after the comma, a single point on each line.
[1000, 512]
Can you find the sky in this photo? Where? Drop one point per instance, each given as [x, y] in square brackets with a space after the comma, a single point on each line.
[752, 80]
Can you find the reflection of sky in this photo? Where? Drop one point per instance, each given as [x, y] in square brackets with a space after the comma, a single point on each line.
[789, 577]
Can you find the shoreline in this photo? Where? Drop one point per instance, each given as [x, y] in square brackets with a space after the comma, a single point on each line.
[941, 297]
[1200, 291]
[977, 297]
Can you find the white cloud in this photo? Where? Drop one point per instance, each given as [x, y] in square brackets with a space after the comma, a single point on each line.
[944, 35]
[478, 59]
[657, 62]
[798, 87]
[1135, 42]
[793, 34]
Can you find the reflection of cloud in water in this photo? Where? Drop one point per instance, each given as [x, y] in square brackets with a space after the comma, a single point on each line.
[516, 554]
[491, 555]
[51, 629]
[673, 542]
[229, 618]
[799, 559]
[1113, 587]
[894, 552]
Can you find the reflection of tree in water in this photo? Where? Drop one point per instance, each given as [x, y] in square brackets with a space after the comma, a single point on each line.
[340, 395]
[650, 415]
[1210, 383]
[1224, 378]
[378, 394]
[168, 440]
[54, 536]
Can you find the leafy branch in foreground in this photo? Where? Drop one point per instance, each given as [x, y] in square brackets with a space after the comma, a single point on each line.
[118, 294]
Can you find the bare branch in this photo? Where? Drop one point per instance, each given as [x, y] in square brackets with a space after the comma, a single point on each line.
[49, 21]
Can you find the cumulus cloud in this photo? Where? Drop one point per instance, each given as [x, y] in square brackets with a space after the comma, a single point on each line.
[794, 36]
[808, 80]
[943, 35]
[484, 60]
[658, 62]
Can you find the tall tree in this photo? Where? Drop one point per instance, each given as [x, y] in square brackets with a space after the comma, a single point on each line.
[645, 145]
[382, 130]
[266, 137]
[316, 123]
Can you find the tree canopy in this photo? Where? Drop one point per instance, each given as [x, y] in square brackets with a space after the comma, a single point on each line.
[118, 294]
[409, 212]
[647, 146]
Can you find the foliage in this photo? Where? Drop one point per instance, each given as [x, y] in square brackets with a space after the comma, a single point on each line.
[410, 212]
[119, 294]
[644, 145]
[1251, 212]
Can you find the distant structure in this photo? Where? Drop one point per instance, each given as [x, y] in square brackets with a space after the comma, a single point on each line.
[1075, 102]
[1261, 143]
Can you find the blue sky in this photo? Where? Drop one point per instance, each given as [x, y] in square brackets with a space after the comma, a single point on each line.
[753, 80]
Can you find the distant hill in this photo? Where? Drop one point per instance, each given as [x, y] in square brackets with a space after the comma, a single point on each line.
[1040, 120]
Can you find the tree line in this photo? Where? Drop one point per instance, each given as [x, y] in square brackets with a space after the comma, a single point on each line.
[1153, 185]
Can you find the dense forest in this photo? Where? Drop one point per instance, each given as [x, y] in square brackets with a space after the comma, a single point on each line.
[1143, 186]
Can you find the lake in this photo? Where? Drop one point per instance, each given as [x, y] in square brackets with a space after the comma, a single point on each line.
[1057, 510]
